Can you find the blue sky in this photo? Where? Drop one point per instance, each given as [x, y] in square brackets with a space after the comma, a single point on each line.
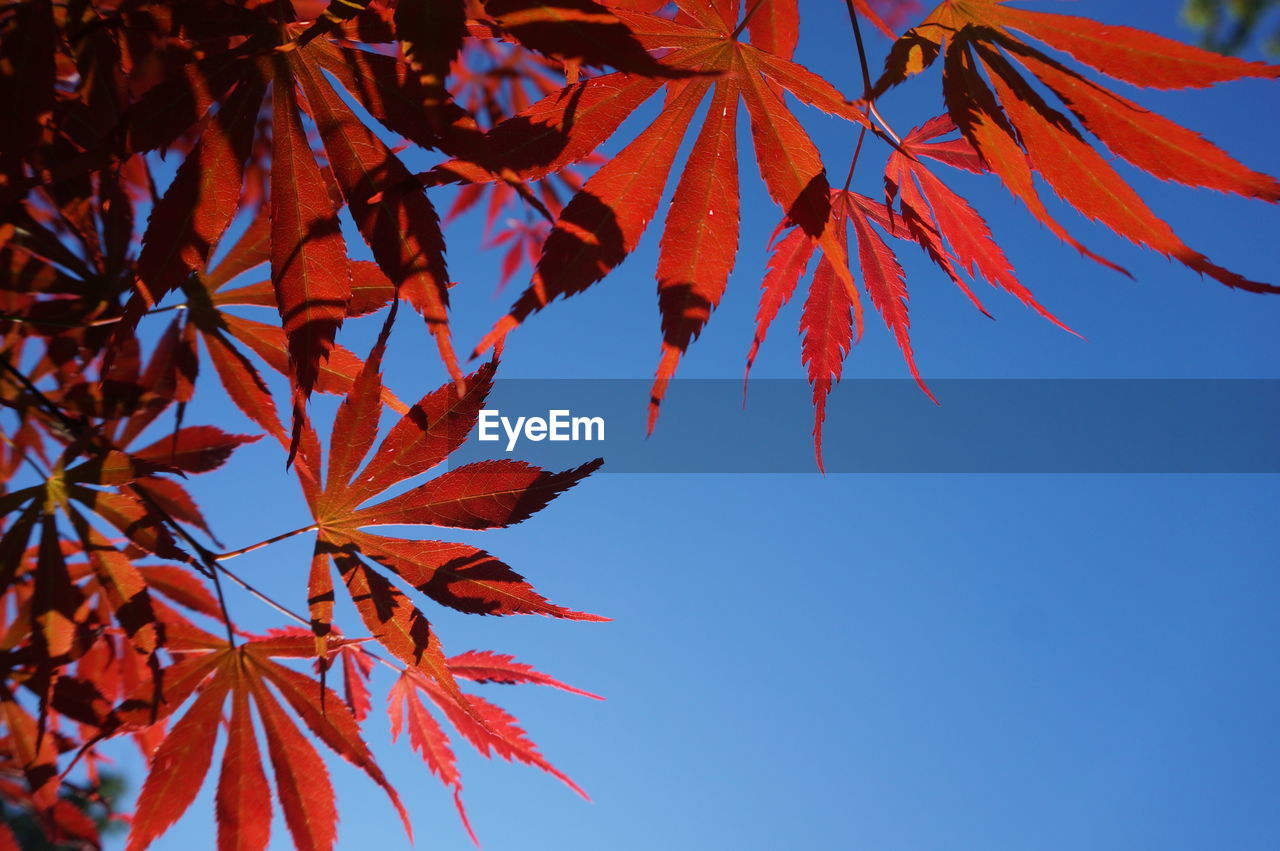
[869, 661]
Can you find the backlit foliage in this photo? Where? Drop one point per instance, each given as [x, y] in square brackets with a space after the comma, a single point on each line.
[167, 169]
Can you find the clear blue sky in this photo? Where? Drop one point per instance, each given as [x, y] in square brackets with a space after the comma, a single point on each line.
[876, 662]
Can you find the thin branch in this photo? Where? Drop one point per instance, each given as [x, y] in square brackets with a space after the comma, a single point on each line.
[222, 606]
[866, 76]
[862, 51]
[41, 399]
[52, 323]
[294, 616]
[862, 135]
[279, 607]
[875, 113]
[267, 542]
[206, 558]
[526, 194]
[746, 19]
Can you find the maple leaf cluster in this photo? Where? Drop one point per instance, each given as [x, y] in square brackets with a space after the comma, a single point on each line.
[168, 167]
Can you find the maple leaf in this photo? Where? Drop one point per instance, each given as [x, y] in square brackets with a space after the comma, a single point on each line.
[484, 666]
[1017, 132]
[35, 755]
[604, 222]
[181, 586]
[214, 672]
[206, 319]
[481, 495]
[524, 244]
[831, 321]
[431, 33]
[310, 277]
[495, 84]
[356, 668]
[62, 257]
[578, 30]
[72, 601]
[498, 732]
[428, 738]
[950, 232]
[309, 271]
[933, 213]
[200, 203]
[138, 504]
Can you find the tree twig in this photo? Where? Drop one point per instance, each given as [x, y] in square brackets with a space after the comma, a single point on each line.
[862, 51]
[866, 75]
[862, 135]
[267, 542]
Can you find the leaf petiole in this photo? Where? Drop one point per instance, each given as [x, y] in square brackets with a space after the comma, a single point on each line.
[267, 542]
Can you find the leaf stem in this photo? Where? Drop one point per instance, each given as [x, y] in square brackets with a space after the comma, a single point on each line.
[279, 607]
[875, 113]
[866, 75]
[41, 399]
[862, 135]
[6, 317]
[294, 616]
[222, 606]
[862, 51]
[206, 559]
[746, 19]
[267, 542]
